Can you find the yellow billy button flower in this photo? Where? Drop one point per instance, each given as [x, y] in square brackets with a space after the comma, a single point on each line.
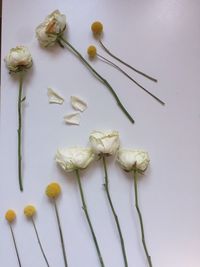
[29, 211]
[53, 190]
[10, 216]
[92, 51]
[97, 28]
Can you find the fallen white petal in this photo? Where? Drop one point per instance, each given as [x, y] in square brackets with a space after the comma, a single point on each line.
[54, 97]
[78, 103]
[72, 118]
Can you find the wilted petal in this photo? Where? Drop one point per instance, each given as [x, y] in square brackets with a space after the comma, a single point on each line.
[73, 118]
[78, 103]
[54, 97]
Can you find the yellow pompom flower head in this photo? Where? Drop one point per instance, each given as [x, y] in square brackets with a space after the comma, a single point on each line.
[10, 217]
[29, 212]
[53, 190]
[97, 28]
[92, 51]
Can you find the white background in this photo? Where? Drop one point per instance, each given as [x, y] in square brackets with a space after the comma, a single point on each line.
[160, 37]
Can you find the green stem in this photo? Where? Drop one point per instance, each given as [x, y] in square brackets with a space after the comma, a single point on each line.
[61, 234]
[39, 242]
[128, 76]
[88, 218]
[19, 131]
[106, 186]
[15, 244]
[140, 219]
[99, 77]
[126, 64]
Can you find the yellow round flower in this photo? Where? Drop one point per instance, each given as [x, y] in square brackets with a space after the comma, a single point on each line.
[92, 51]
[97, 27]
[29, 211]
[10, 216]
[53, 190]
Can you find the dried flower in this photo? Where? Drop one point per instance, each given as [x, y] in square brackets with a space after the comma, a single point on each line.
[136, 161]
[104, 142]
[18, 61]
[71, 159]
[75, 159]
[53, 190]
[97, 28]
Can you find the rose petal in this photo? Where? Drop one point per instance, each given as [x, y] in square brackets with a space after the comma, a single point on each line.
[54, 97]
[78, 104]
[72, 118]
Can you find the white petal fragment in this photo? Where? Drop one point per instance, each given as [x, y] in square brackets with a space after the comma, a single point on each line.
[54, 97]
[72, 118]
[78, 104]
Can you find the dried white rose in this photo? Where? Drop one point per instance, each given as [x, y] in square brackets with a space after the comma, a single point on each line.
[18, 59]
[78, 103]
[54, 97]
[106, 142]
[71, 159]
[73, 118]
[52, 27]
[133, 159]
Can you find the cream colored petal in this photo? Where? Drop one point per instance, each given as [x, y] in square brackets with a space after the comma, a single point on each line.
[54, 97]
[78, 104]
[72, 118]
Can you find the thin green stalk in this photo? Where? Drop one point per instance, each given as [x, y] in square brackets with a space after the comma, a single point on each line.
[61, 234]
[19, 131]
[126, 64]
[88, 218]
[106, 186]
[128, 76]
[99, 77]
[39, 242]
[15, 244]
[140, 219]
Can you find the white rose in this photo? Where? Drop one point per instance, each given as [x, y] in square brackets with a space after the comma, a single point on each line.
[104, 142]
[49, 30]
[133, 159]
[71, 159]
[18, 59]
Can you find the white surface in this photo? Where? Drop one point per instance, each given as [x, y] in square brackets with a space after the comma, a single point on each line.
[160, 37]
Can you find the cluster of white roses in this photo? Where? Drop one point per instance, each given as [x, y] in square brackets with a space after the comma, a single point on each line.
[102, 143]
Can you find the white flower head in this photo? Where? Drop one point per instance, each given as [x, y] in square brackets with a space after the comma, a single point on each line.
[104, 142]
[131, 160]
[18, 59]
[52, 27]
[71, 159]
